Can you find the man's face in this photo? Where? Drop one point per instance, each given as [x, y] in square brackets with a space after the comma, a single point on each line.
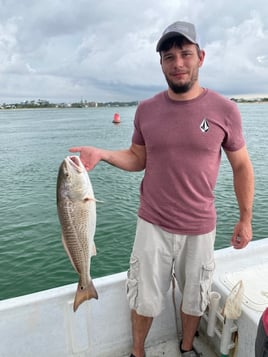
[181, 66]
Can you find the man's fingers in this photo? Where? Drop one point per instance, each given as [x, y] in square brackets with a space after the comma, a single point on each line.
[75, 149]
[239, 243]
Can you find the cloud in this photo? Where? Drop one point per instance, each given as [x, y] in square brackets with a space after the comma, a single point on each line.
[65, 51]
[234, 58]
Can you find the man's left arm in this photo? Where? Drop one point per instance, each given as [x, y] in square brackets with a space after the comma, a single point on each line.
[243, 177]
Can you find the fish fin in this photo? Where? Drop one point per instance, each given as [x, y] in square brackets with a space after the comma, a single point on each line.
[84, 293]
[93, 250]
[98, 201]
[68, 253]
[88, 198]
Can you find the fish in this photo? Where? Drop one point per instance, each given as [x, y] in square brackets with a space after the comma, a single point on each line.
[76, 207]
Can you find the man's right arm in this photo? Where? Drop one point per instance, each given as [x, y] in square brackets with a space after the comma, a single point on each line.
[132, 159]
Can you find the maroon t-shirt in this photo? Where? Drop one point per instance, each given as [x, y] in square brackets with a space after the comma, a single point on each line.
[183, 141]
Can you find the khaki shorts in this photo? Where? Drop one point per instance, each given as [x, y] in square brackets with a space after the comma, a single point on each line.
[156, 255]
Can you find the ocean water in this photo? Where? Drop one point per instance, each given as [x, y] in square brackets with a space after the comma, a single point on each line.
[33, 144]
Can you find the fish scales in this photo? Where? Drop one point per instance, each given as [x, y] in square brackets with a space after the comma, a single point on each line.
[77, 214]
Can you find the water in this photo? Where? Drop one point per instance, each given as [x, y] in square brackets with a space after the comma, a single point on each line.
[33, 144]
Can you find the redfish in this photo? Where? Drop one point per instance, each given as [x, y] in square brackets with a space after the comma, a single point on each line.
[76, 207]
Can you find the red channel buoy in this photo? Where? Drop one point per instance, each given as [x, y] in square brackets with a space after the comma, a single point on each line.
[117, 119]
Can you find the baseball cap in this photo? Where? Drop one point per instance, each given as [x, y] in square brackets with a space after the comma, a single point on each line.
[179, 28]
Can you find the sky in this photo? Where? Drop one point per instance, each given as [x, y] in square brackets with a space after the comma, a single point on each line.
[104, 50]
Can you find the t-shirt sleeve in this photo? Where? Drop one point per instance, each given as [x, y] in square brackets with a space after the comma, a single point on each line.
[137, 137]
[234, 139]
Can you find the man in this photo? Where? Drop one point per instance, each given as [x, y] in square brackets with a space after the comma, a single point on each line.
[178, 137]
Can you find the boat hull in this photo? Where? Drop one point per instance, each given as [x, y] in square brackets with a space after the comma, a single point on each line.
[43, 324]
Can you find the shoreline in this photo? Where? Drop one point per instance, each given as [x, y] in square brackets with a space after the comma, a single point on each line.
[47, 105]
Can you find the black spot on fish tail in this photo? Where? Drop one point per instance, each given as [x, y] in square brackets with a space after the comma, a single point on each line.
[83, 293]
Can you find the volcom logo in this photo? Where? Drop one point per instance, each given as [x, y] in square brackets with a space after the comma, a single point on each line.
[204, 126]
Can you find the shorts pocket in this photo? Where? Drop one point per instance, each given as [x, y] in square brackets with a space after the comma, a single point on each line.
[206, 280]
[132, 282]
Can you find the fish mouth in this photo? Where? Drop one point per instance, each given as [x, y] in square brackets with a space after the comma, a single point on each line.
[75, 162]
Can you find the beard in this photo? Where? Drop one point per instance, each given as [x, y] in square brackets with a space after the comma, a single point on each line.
[180, 88]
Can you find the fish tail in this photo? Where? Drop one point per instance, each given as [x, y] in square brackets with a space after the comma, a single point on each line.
[84, 293]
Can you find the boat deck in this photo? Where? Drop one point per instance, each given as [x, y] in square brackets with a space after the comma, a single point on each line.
[170, 349]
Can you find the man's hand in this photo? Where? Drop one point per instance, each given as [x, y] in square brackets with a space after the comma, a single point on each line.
[242, 235]
[89, 155]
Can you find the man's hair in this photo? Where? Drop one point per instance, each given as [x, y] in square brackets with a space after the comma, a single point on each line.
[176, 41]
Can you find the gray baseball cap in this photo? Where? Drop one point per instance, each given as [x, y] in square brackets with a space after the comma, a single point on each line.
[179, 28]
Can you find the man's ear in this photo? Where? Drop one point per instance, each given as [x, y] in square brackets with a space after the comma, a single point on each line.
[202, 55]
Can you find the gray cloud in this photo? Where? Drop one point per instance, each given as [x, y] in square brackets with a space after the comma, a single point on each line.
[68, 50]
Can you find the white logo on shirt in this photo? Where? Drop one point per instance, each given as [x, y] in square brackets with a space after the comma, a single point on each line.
[204, 126]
